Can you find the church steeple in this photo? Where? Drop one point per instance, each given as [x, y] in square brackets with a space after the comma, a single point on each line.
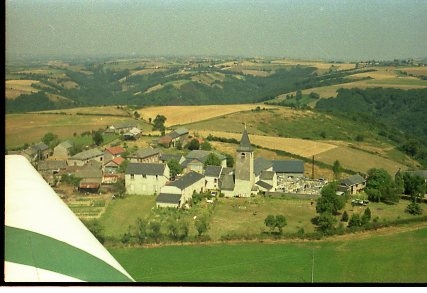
[245, 144]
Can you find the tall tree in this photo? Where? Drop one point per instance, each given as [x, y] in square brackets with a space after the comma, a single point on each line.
[212, 160]
[159, 123]
[337, 169]
[194, 144]
[381, 187]
[97, 137]
[175, 167]
[329, 201]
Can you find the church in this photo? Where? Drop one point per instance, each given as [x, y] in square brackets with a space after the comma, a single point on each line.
[251, 176]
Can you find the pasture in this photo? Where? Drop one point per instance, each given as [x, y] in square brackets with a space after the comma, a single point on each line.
[30, 128]
[16, 87]
[233, 216]
[386, 256]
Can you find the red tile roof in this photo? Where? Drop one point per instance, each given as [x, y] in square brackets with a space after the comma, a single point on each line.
[115, 150]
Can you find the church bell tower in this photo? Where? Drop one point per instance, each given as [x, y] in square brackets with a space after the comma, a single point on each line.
[244, 172]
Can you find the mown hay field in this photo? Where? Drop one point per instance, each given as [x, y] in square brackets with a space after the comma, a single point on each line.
[300, 147]
[179, 115]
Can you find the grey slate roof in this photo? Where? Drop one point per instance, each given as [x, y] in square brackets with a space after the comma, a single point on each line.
[213, 171]
[264, 185]
[261, 164]
[144, 153]
[352, 180]
[145, 168]
[168, 198]
[202, 155]
[168, 157]
[178, 132]
[65, 144]
[89, 154]
[51, 165]
[40, 147]
[187, 180]
[291, 166]
[227, 182]
[245, 144]
[267, 175]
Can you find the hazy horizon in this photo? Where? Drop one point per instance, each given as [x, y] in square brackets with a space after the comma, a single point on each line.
[309, 29]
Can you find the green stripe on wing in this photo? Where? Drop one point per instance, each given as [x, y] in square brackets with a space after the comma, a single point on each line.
[40, 251]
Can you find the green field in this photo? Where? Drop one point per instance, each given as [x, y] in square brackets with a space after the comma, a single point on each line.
[389, 258]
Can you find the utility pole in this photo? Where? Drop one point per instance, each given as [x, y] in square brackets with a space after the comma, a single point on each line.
[312, 168]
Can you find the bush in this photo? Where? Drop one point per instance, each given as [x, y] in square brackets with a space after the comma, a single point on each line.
[414, 209]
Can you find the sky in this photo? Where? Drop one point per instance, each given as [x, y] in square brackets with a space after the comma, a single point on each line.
[343, 30]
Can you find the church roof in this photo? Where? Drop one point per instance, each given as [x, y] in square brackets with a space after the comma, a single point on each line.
[245, 144]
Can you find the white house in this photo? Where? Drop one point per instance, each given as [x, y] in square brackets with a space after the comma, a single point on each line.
[146, 178]
[212, 175]
[184, 186]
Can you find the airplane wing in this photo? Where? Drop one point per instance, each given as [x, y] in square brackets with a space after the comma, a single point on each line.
[44, 240]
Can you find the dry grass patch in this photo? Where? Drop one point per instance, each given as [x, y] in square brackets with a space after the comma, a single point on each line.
[301, 147]
[16, 87]
[179, 115]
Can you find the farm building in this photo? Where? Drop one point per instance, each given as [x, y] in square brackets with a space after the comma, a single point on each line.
[195, 160]
[267, 181]
[132, 134]
[353, 184]
[146, 178]
[122, 126]
[91, 176]
[171, 139]
[289, 168]
[39, 151]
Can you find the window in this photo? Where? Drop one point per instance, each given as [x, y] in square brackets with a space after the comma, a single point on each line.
[242, 155]
[144, 176]
[132, 176]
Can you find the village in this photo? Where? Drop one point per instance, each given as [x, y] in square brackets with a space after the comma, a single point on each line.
[113, 171]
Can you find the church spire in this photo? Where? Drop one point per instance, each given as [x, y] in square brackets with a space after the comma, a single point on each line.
[245, 144]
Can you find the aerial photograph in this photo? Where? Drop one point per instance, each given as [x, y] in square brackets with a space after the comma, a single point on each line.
[221, 143]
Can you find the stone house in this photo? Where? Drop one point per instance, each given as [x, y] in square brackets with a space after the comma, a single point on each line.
[195, 160]
[91, 176]
[84, 157]
[62, 150]
[37, 152]
[148, 155]
[112, 166]
[113, 152]
[146, 178]
[353, 184]
[122, 127]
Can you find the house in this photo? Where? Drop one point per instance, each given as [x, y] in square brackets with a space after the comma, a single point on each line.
[353, 184]
[164, 158]
[226, 182]
[113, 152]
[267, 181]
[212, 176]
[39, 151]
[62, 150]
[148, 155]
[80, 159]
[185, 187]
[146, 178]
[171, 139]
[113, 165]
[195, 160]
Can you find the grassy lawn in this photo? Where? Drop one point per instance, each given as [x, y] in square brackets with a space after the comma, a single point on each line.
[396, 258]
